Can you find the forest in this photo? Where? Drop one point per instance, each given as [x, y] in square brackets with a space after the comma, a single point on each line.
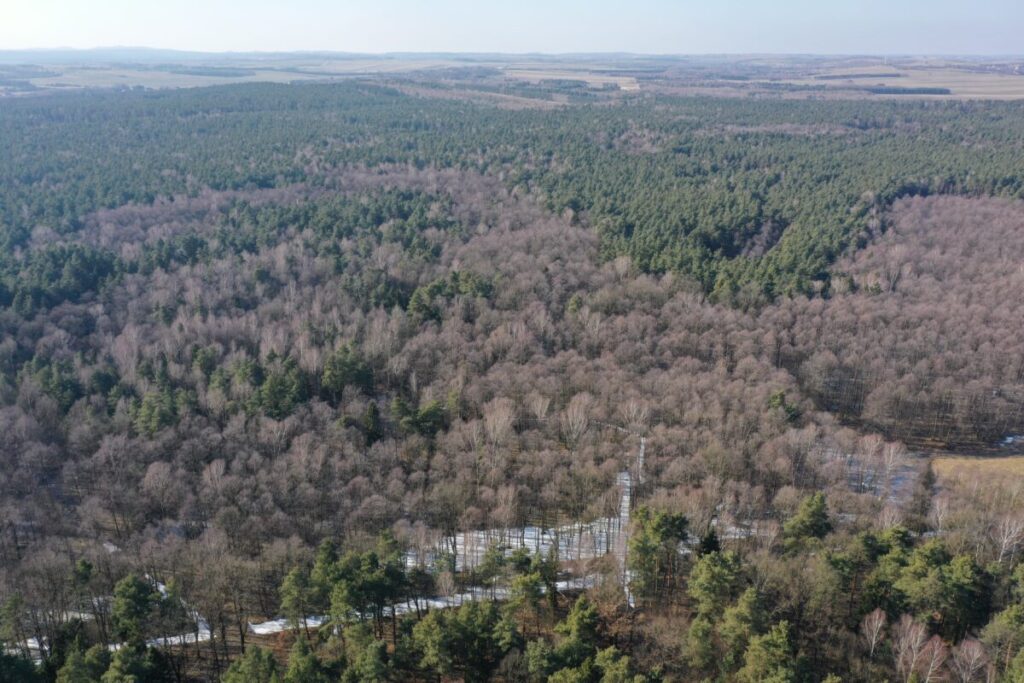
[336, 382]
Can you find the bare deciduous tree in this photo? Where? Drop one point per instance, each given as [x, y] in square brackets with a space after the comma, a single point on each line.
[891, 516]
[1008, 534]
[872, 629]
[909, 639]
[576, 419]
[538, 405]
[499, 416]
[939, 512]
[968, 661]
[636, 414]
[894, 455]
[933, 660]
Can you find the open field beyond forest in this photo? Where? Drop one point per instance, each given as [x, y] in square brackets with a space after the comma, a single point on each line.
[587, 78]
[962, 83]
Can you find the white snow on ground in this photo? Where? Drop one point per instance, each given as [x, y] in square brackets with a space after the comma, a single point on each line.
[572, 542]
[201, 635]
[273, 626]
[583, 541]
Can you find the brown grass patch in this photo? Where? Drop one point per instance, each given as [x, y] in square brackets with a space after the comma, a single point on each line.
[952, 467]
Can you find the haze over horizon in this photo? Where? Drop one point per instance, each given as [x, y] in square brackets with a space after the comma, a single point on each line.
[570, 26]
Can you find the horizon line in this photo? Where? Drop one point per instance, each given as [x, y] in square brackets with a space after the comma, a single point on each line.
[467, 53]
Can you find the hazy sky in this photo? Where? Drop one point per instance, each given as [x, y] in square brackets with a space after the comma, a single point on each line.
[649, 26]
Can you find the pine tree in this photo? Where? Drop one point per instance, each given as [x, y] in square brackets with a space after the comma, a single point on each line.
[714, 580]
[295, 598]
[75, 670]
[129, 665]
[370, 665]
[323, 577]
[17, 669]
[303, 666]
[768, 658]
[255, 666]
[810, 520]
[133, 602]
[738, 625]
[345, 368]
[709, 543]
[700, 644]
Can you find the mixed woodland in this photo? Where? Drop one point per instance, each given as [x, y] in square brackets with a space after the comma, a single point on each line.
[266, 351]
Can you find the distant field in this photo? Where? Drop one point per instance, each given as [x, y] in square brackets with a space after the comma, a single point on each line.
[285, 71]
[178, 76]
[790, 78]
[114, 77]
[592, 79]
[952, 467]
[962, 83]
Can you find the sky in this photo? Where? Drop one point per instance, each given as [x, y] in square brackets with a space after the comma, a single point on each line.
[515, 26]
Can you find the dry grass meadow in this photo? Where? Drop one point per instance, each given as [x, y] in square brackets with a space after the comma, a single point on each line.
[953, 467]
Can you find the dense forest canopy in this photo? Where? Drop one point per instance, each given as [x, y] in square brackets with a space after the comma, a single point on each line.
[289, 351]
[764, 193]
